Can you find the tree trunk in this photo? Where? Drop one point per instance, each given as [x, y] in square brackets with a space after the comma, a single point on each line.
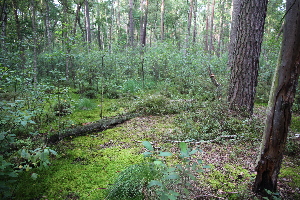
[162, 20]
[144, 20]
[34, 43]
[189, 23]
[280, 103]
[211, 36]
[87, 24]
[244, 54]
[195, 22]
[131, 24]
[3, 23]
[206, 48]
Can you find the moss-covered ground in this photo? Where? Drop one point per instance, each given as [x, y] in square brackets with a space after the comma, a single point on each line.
[87, 165]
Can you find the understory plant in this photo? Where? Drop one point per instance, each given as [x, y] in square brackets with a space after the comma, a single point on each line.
[158, 177]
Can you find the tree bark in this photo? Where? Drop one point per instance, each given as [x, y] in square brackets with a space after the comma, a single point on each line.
[131, 24]
[34, 43]
[247, 34]
[144, 20]
[280, 103]
[162, 20]
[87, 24]
[211, 34]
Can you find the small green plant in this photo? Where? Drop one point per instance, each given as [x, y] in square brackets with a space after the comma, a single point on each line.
[62, 108]
[156, 178]
[85, 104]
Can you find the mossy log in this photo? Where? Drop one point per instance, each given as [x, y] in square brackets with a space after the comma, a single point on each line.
[94, 127]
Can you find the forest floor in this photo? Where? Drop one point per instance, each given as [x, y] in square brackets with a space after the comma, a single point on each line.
[88, 165]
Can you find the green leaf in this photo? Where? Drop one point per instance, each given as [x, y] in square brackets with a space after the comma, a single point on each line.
[148, 145]
[206, 166]
[158, 162]
[147, 154]
[24, 123]
[34, 176]
[172, 177]
[183, 147]
[154, 183]
[165, 154]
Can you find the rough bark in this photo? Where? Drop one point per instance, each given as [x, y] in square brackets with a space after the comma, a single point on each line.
[244, 53]
[280, 103]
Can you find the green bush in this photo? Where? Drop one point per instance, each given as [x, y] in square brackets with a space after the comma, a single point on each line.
[132, 183]
[156, 105]
[85, 104]
[62, 108]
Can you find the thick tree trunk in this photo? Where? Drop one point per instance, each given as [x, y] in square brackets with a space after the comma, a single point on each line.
[280, 103]
[244, 53]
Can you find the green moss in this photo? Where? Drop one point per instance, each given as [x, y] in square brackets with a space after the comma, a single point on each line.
[86, 166]
[295, 125]
[291, 176]
[232, 180]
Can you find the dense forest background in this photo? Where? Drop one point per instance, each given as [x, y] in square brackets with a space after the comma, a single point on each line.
[61, 56]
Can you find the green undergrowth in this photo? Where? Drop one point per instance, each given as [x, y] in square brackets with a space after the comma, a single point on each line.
[231, 183]
[85, 167]
[290, 175]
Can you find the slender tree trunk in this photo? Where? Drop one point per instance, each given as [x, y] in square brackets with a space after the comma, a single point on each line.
[87, 24]
[280, 103]
[195, 22]
[77, 19]
[34, 43]
[211, 35]
[131, 24]
[47, 24]
[3, 23]
[189, 24]
[206, 46]
[19, 35]
[244, 54]
[144, 23]
[162, 20]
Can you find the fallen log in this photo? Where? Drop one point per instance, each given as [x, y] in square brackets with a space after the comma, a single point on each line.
[97, 126]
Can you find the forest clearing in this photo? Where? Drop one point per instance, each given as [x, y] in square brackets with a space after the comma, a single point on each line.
[149, 100]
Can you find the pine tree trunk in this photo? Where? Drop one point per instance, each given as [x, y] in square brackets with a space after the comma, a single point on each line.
[280, 103]
[247, 34]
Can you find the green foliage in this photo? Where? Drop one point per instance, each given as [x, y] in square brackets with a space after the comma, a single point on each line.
[156, 105]
[132, 182]
[62, 108]
[229, 180]
[157, 179]
[85, 104]
[214, 120]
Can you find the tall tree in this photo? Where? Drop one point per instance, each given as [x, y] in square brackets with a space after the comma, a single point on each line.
[87, 23]
[131, 24]
[248, 27]
[162, 20]
[144, 21]
[280, 103]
